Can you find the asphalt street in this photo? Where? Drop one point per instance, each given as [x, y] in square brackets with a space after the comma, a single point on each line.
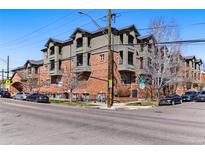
[35, 123]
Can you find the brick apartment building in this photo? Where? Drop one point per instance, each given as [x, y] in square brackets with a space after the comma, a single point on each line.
[192, 76]
[80, 65]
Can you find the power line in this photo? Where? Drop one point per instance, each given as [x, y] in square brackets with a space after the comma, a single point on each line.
[38, 29]
[26, 36]
[36, 42]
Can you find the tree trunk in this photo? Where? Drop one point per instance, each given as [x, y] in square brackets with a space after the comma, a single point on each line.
[158, 95]
[71, 95]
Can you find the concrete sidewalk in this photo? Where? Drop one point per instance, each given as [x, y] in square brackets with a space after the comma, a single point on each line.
[119, 106]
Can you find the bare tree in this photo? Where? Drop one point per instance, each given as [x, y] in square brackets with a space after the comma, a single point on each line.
[71, 81]
[167, 58]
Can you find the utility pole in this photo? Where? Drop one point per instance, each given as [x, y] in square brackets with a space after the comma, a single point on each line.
[110, 90]
[2, 79]
[7, 68]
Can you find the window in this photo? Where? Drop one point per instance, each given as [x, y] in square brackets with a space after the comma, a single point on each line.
[162, 54]
[130, 58]
[79, 59]
[52, 65]
[79, 42]
[102, 57]
[149, 47]
[121, 38]
[29, 70]
[48, 83]
[149, 61]
[121, 57]
[141, 62]
[187, 63]
[141, 47]
[54, 80]
[134, 93]
[88, 42]
[88, 60]
[130, 39]
[36, 70]
[60, 50]
[52, 50]
[124, 79]
[60, 65]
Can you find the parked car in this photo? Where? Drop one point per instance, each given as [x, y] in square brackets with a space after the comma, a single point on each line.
[189, 96]
[201, 97]
[5, 94]
[20, 96]
[171, 100]
[37, 97]
[1, 93]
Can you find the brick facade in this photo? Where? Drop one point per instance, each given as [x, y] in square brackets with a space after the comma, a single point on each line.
[83, 61]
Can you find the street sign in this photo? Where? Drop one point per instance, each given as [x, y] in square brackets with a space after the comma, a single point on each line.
[110, 83]
[8, 82]
[142, 85]
[141, 80]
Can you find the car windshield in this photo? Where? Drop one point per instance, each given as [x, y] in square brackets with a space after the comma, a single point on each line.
[189, 93]
[169, 96]
[203, 92]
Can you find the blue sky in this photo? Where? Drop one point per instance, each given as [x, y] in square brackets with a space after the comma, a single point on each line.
[23, 33]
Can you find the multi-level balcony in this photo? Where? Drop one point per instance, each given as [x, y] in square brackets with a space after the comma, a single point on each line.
[127, 59]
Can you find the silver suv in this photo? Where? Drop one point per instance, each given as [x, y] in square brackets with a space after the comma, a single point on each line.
[20, 96]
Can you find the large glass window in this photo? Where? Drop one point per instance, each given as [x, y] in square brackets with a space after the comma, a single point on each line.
[52, 65]
[130, 39]
[141, 62]
[130, 58]
[52, 50]
[149, 62]
[36, 70]
[121, 38]
[79, 59]
[88, 60]
[29, 70]
[121, 57]
[79, 42]
[60, 65]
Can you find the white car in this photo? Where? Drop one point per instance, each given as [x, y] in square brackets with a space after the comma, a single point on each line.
[20, 96]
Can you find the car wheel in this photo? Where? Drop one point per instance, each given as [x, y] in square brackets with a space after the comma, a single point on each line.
[173, 103]
[180, 102]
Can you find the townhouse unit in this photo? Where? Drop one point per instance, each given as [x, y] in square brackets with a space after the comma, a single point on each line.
[191, 75]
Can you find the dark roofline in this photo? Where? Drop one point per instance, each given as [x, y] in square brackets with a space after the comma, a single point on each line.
[18, 68]
[60, 42]
[189, 57]
[199, 61]
[34, 62]
[146, 37]
[91, 34]
[79, 30]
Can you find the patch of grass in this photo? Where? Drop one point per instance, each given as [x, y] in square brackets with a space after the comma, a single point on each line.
[144, 103]
[63, 102]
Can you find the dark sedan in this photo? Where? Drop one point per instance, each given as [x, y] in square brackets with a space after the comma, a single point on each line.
[5, 94]
[189, 96]
[201, 97]
[171, 100]
[36, 97]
